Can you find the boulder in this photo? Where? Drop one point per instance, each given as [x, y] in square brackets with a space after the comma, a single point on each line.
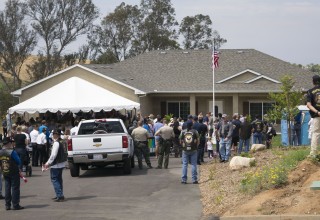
[257, 147]
[238, 162]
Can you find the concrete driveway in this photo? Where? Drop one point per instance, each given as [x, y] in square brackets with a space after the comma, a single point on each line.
[108, 194]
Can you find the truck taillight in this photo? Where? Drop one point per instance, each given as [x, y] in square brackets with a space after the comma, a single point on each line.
[125, 143]
[70, 145]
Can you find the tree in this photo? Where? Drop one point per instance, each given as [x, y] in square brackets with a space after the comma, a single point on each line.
[157, 30]
[17, 42]
[196, 31]
[218, 41]
[112, 41]
[314, 68]
[59, 23]
[286, 102]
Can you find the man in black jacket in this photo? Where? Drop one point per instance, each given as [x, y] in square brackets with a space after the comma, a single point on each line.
[9, 163]
[313, 103]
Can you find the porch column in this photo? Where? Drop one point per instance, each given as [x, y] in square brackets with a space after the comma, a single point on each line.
[192, 104]
[235, 103]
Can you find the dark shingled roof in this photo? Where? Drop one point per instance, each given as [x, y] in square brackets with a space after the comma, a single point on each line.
[190, 71]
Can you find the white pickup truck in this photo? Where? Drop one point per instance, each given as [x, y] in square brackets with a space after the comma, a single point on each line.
[100, 142]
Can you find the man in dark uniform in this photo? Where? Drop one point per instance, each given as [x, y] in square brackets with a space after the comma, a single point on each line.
[313, 103]
[166, 133]
[9, 163]
[140, 137]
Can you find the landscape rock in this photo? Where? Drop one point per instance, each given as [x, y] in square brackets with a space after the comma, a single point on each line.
[239, 162]
[257, 147]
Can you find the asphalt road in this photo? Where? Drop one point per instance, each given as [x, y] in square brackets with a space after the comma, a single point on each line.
[109, 194]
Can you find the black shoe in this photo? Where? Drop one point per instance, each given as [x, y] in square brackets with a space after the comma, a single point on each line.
[158, 167]
[8, 208]
[19, 207]
[149, 166]
[221, 161]
[195, 182]
[54, 198]
[199, 163]
[1, 197]
[183, 182]
[225, 161]
[60, 199]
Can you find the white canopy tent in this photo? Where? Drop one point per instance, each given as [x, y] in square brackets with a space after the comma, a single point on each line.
[74, 95]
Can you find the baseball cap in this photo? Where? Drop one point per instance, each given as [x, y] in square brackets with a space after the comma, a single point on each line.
[224, 115]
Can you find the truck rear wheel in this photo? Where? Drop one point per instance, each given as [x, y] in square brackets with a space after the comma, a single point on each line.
[74, 169]
[127, 166]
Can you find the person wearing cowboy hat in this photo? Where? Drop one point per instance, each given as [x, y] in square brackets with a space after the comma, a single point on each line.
[57, 163]
[10, 162]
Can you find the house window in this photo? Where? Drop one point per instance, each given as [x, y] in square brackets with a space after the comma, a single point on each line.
[179, 109]
[259, 108]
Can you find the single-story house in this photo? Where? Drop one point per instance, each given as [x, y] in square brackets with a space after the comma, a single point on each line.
[181, 81]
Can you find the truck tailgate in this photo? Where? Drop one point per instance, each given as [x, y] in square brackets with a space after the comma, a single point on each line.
[98, 143]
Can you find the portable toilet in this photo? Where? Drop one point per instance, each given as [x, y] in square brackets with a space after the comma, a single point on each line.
[284, 131]
[305, 118]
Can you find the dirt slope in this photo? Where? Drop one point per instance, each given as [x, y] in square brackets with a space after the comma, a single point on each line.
[221, 193]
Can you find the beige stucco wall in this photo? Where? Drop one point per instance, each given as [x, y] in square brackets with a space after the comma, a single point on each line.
[83, 74]
[152, 103]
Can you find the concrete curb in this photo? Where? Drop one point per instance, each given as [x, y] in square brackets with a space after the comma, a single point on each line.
[271, 217]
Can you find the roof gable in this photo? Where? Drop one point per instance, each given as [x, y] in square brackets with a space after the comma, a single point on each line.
[247, 76]
[19, 91]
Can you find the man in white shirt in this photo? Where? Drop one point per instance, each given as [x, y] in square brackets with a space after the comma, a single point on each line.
[33, 139]
[41, 146]
[57, 163]
[75, 129]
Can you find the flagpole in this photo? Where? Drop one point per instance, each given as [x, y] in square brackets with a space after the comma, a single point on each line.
[213, 92]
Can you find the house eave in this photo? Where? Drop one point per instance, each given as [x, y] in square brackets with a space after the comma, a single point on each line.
[210, 91]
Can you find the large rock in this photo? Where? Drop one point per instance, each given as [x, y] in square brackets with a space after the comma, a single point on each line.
[257, 147]
[238, 162]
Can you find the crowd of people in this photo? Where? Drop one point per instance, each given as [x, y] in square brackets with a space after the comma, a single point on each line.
[47, 142]
[191, 138]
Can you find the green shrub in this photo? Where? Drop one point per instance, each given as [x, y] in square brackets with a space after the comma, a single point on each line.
[274, 175]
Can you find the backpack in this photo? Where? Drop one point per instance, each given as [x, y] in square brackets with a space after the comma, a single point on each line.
[189, 140]
[5, 164]
[259, 126]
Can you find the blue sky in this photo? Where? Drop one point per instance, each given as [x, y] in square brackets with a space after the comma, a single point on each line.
[286, 29]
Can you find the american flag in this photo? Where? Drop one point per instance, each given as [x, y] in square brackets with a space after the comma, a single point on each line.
[215, 59]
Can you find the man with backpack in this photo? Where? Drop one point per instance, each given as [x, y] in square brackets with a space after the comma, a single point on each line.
[189, 138]
[257, 127]
[9, 163]
[57, 163]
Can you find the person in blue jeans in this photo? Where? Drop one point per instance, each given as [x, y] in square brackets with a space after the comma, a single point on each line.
[189, 139]
[225, 134]
[10, 162]
[257, 127]
[57, 163]
[1, 196]
[245, 134]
